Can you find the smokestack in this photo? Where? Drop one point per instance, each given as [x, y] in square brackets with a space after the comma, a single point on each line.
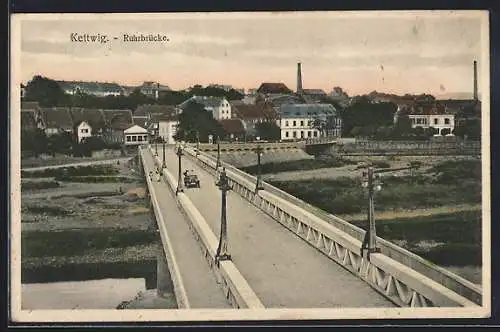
[299, 78]
[475, 80]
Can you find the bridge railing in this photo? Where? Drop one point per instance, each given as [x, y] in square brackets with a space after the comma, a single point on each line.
[447, 288]
[235, 287]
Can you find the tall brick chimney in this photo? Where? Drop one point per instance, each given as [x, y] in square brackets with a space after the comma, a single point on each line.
[475, 80]
[299, 78]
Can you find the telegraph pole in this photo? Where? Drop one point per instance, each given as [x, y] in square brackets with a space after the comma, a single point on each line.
[258, 185]
[179, 182]
[218, 154]
[222, 253]
[164, 163]
[372, 183]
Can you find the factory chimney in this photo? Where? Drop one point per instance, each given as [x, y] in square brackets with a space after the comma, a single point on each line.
[475, 80]
[299, 78]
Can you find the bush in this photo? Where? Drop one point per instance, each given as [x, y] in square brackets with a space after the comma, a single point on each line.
[380, 164]
[298, 165]
[49, 210]
[451, 171]
[72, 171]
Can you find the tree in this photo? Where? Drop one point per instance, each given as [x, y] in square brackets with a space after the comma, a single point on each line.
[34, 142]
[195, 119]
[430, 131]
[46, 92]
[60, 143]
[268, 131]
[363, 113]
[403, 125]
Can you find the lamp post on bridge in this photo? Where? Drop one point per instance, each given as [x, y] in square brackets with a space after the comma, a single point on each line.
[222, 253]
[180, 187]
[372, 183]
[164, 163]
[156, 144]
[217, 165]
[258, 184]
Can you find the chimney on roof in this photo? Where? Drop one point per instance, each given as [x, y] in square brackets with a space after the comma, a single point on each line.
[299, 78]
[475, 80]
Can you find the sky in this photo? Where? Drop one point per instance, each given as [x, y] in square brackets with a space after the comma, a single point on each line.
[393, 53]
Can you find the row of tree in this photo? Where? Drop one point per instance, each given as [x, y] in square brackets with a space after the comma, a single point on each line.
[48, 93]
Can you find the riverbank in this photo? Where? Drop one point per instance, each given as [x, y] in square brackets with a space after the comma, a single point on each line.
[87, 223]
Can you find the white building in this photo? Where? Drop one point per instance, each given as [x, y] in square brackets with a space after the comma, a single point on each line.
[219, 106]
[135, 135]
[83, 130]
[297, 121]
[167, 130]
[437, 121]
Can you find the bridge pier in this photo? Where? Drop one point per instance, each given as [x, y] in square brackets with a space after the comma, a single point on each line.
[164, 284]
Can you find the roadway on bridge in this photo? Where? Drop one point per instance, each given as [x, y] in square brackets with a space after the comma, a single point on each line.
[283, 270]
[202, 289]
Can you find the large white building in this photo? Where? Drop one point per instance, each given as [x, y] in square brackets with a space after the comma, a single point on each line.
[438, 121]
[297, 121]
[135, 135]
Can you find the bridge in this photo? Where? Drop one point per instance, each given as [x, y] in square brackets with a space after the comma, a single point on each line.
[284, 252]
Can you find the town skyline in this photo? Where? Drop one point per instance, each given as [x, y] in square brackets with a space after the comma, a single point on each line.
[423, 53]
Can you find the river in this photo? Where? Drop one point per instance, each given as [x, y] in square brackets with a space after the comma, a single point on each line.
[90, 294]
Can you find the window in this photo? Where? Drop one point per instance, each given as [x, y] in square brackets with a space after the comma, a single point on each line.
[301, 134]
[134, 138]
[139, 138]
[302, 123]
[447, 121]
[128, 138]
[145, 137]
[294, 123]
[286, 134]
[315, 134]
[309, 134]
[294, 134]
[436, 121]
[84, 131]
[286, 124]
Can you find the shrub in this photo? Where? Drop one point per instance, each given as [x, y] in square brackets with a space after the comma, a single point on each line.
[39, 185]
[72, 171]
[380, 164]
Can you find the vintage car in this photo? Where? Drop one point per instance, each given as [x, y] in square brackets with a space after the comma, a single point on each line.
[191, 180]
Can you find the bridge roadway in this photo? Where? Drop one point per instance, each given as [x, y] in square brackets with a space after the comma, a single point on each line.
[200, 284]
[283, 270]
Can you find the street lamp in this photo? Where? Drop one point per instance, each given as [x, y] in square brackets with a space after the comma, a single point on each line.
[179, 181]
[218, 154]
[164, 163]
[156, 144]
[372, 183]
[222, 253]
[258, 185]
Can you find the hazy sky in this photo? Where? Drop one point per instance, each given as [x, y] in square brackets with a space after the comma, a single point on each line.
[390, 53]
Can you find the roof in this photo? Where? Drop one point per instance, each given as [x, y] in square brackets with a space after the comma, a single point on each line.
[135, 129]
[142, 121]
[118, 119]
[159, 117]
[94, 117]
[257, 111]
[306, 110]
[206, 101]
[91, 87]
[28, 120]
[233, 126]
[273, 88]
[57, 117]
[143, 110]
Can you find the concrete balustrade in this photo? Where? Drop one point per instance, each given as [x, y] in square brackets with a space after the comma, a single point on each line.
[179, 289]
[398, 281]
[235, 287]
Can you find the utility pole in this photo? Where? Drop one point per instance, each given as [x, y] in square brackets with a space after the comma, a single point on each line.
[164, 163]
[179, 182]
[258, 185]
[372, 183]
[218, 154]
[222, 253]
